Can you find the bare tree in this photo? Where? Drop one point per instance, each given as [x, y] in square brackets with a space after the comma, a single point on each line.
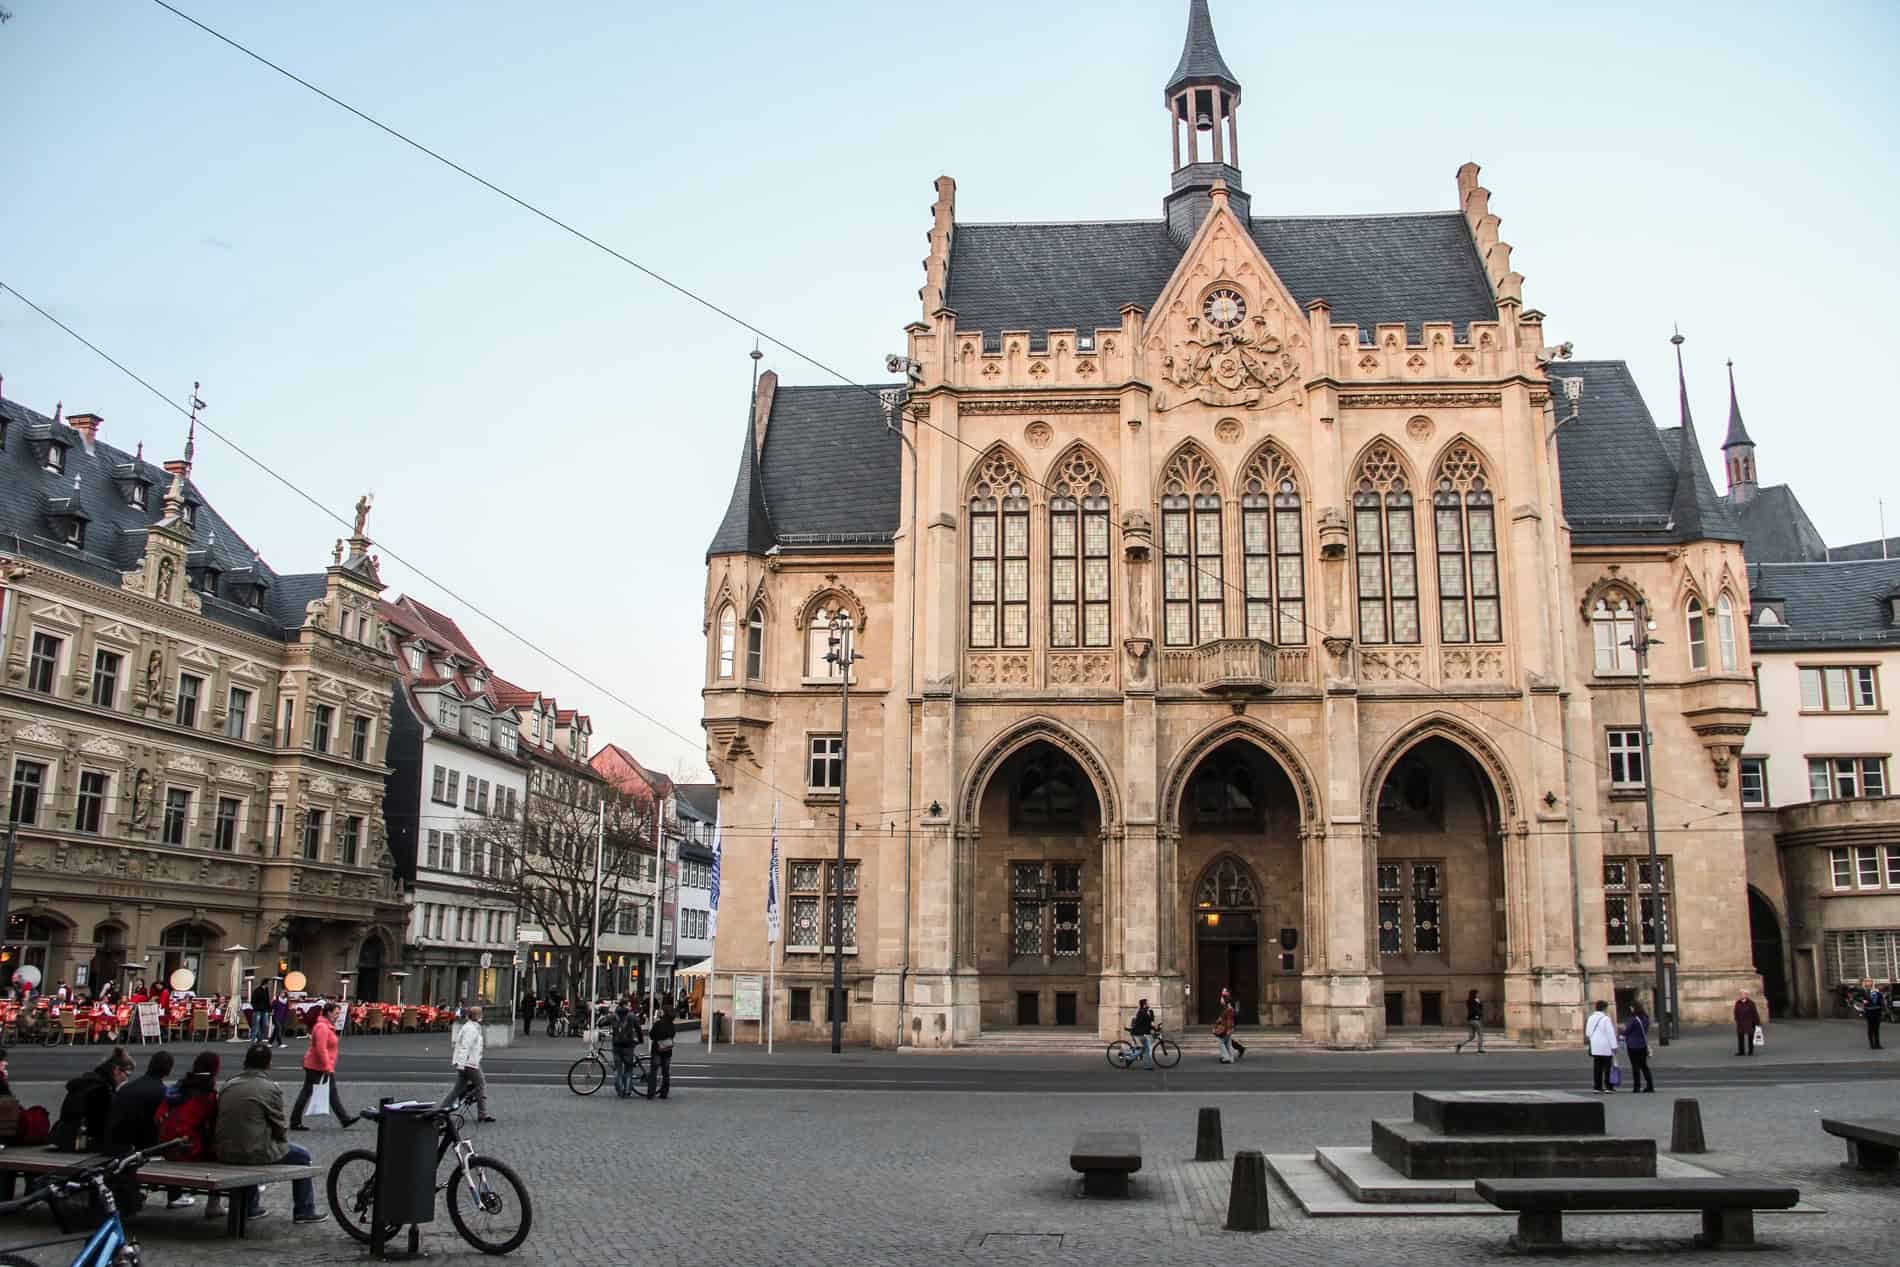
[546, 868]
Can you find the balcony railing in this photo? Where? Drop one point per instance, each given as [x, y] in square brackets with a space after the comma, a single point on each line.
[1227, 666]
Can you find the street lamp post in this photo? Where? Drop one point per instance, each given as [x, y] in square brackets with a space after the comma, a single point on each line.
[842, 654]
[1640, 642]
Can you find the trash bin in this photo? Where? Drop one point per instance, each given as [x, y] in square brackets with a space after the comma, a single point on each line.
[719, 1027]
[406, 1139]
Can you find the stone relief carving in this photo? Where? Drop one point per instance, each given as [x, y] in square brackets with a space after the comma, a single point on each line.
[1037, 435]
[1240, 366]
[190, 765]
[1089, 669]
[141, 797]
[38, 732]
[100, 746]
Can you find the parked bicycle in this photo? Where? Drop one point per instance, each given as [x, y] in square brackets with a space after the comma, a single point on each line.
[108, 1245]
[488, 1203]
[588, 1074]
[1125, 1053]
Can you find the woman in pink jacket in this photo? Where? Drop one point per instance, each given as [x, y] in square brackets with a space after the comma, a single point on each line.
[319, 1066]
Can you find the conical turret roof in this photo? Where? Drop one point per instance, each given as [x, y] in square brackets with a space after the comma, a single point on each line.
[1201, 61]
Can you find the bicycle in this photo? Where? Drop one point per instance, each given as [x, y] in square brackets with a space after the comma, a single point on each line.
[1125, 1053]
[588, 1074]
[108, 1245]
[486, 1184]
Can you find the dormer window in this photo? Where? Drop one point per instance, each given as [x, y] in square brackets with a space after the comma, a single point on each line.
[478, 729]
[56, 458]
[448, 713]
[1768, 616]
[75, 534]
[136, 495]
[190, 514]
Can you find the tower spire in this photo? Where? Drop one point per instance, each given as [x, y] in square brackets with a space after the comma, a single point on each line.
[1738, 451]
[1203, 100]
[1686, 507]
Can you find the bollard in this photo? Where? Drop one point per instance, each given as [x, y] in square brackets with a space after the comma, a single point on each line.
[1207, 1137]
[1247, 1203]
[1685, 1135]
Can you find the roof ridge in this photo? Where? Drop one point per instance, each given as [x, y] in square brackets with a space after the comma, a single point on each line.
[1257, 217]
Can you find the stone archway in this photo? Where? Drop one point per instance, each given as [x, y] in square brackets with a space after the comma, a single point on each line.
[1770, 956]
[1227, 940]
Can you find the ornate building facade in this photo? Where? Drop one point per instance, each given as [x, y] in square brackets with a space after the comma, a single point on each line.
[1247, 603]
[194, 742]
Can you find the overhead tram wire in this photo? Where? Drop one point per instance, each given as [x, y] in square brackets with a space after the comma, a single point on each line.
[708, 304]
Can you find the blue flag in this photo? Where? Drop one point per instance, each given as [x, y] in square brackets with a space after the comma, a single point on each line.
[712, 917]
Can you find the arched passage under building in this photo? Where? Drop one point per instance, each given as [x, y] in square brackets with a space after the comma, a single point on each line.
[1764, 936]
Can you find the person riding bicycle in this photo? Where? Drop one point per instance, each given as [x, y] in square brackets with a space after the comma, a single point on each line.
[1143, 1031]
[627, 1037]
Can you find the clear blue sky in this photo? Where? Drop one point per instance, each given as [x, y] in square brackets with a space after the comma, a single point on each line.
[554, 435]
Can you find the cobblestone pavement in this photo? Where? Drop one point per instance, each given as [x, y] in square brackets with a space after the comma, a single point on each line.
[721, 1177]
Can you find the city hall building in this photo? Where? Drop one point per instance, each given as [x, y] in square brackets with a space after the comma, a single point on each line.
[1250, 602]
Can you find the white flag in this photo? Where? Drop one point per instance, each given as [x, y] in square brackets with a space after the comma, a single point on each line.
[712, 916]
[771, 885]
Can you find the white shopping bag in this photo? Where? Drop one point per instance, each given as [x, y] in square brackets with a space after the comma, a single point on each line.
[319, 1105]
[1760, 1038]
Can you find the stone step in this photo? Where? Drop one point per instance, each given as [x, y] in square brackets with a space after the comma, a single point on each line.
[1418, 1152]
[1507, 1113]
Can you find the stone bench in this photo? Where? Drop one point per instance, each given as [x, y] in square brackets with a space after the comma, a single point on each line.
[1871, 1145]
[1105, 1160]
[190, 1176]
[1728, 1208]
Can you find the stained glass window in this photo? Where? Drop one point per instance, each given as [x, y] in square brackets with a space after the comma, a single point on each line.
[1385, 551]
[1078, 553]
[1192, 580]
[1275, 565]
[1467, 549]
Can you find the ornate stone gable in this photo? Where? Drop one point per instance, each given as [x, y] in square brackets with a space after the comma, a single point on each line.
[1226, 331]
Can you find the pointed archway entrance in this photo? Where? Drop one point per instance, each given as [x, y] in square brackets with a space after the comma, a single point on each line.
[1227, 940]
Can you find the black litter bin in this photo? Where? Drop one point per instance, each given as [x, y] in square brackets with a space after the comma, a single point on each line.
[719, 1027]
[406, 1140]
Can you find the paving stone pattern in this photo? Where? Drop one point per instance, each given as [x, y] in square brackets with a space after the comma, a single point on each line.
[719, 1178]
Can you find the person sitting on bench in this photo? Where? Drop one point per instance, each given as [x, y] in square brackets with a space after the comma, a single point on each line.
[254, 1130]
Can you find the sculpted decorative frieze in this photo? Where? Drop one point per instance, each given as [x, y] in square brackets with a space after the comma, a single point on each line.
[100, 746]
[1041, 405]
[1418, 400]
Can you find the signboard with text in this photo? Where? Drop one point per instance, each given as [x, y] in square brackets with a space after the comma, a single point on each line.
[150, 1025]
[747, 993]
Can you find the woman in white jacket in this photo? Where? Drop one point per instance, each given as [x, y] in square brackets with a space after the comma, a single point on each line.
[1600, 1032]
[467, 1059]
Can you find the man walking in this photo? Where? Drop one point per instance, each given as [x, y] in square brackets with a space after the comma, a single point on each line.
[260, 1013]
[553, 1006]
[251, 1133]
[1873, 1010]
[1747, 1021]
[1600, 1033]
[626, 1039]
[467, 1059]
[1142, 1029]
[1474, 1023]
[660, 1071]
[526, 1008]
[319, 1066]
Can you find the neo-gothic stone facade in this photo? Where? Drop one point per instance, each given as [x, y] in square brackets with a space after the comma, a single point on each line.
[194, 743]
[1251, 617]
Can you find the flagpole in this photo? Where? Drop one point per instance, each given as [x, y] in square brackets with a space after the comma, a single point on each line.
[712, 956]
[593, 988]
[771, 934]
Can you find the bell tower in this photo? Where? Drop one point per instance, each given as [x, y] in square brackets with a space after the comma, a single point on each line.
[1203, 100]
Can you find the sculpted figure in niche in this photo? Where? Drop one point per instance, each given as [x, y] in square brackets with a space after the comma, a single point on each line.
[166, 570]
[154, 670]
[141, 793]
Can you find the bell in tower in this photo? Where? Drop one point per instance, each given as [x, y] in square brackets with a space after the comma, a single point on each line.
[1203, 100]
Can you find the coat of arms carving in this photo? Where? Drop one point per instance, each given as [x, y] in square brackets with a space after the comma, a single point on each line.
[1238, 367]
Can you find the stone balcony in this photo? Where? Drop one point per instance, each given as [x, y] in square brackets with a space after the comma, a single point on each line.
[1227, 666]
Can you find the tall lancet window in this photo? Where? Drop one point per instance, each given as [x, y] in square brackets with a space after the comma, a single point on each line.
[999, 553]
[1467, 540]
[1192, 580]
[1270, 536]
[1078, 553]
[1386, 549]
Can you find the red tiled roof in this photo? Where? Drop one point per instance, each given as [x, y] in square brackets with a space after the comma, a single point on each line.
[449, 633]
[511, 696]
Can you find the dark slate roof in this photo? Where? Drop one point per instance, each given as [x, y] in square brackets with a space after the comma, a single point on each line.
[1078, 275]
[703, 797]
[1694, 501]
[1200, 55]
[1827, 604]
[1619, 471]
[115, 530]
[1737, 433]
[1775, 529]
[1878, 548]
[828, 476]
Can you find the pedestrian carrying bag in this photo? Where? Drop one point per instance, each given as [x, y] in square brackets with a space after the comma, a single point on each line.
[1616, 1075]
[319, 1105]
[1760, 1038]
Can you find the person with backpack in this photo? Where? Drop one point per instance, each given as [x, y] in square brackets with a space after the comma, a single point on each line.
[467, 1059]
[627, 1038]
[88, 1104]
[660, 1070]
[1636, 1042]
[190, 1113]
[1142, 1030]
[132, 1124]
[553, 1007]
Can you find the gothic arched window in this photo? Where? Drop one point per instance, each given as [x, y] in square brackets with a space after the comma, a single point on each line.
[755, 643]
[1613, 630]
[1725, 631]
[1467, 540]
[1078, 553]
[1192, 579]
[818, 640]
[1698, 635]
[1386, 549]
[999, 553]
[1270, 542]
[728, 637]
[1227, 886]
[1046, 795]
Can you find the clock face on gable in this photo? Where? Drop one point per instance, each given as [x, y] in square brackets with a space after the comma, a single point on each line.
[1224, 309]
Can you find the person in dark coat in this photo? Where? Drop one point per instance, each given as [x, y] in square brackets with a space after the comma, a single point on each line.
[1474, 1023]
[132, 1124]
[660, 1071]
[280, 1019]
[553, 1007]
[1747, 1020]
[1636, 1043]
[527, 1012]
[1873, 1009]
[260, 1013]
[627, 1038]
[88, 1104]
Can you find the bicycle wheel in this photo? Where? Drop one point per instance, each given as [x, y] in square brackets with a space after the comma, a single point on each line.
[1121, 1053]
[352, 1190]
[585, 1076]
[499, 1212]
[1167, 1053]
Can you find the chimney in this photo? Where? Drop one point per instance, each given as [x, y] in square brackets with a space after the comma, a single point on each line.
[87, 425]
[178, 467]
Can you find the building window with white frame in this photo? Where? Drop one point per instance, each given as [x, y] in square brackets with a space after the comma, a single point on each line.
[289, 737]
[1754, 781]
[1613, 631]
[237, 717]
[321, 716]
[1840, 688]
[29, 780]
[820, 663]
[1698, 635]
[224, 833]
[42, 665]
[825, 769]
[1725, 631]
[105, 677]
[448, 713]
[1846, 778]
[359, 739]
[89, 812]
[190, 691]
[1864, 867]
[728, 640]
[352, 839]
[313, 834]
[1626, 760]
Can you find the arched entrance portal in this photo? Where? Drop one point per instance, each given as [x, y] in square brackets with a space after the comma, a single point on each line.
[1439, 911]
[1038, 880]
[1240, 863]
[369, 970]
[1764, 935]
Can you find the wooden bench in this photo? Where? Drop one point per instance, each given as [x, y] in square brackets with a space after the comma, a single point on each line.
[1728, 1208]
[191, 1176]
[1105, 1159]
[1871, 1145]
